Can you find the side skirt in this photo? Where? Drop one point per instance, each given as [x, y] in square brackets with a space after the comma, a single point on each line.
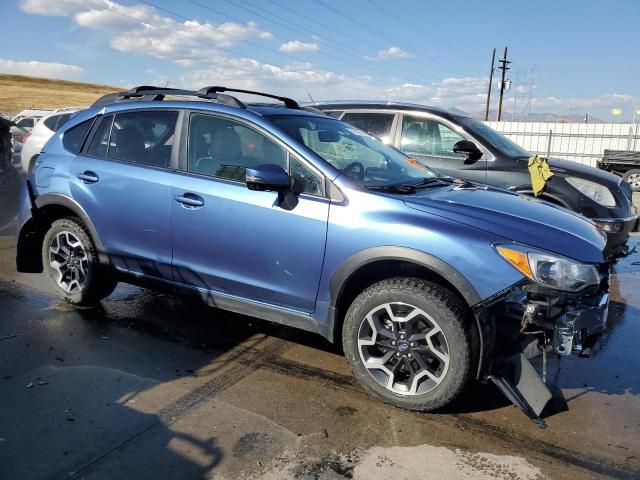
[224, 301]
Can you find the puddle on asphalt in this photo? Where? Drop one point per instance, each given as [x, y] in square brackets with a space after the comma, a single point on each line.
[612, 367]
[400, 463]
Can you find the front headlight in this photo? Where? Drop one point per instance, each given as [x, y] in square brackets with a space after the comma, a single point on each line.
[596, 192]
[548, 269]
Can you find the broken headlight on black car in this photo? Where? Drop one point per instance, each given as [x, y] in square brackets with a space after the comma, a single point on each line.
[548, 269]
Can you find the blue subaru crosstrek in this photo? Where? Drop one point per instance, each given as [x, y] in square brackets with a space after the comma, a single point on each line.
[286, 214]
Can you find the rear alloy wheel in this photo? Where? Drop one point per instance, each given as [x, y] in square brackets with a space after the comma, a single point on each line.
[632, 177]
[69, 258]
[409, 343]
[68, 261]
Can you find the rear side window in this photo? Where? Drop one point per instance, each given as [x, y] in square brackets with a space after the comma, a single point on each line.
[51, 122]
[100, 142]
[62, 119]
[375, 124]
[26, 123]
[140, 137]
[74, 137]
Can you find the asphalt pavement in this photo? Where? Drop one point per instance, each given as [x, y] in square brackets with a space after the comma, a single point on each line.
[153, 386]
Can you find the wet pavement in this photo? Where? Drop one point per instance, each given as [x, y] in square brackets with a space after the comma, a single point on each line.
[154, 386]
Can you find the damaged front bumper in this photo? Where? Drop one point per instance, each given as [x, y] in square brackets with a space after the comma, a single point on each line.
[576, 327]
[529, 321]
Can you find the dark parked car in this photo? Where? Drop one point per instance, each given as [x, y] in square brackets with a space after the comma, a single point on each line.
[301, 219]
[436, 138]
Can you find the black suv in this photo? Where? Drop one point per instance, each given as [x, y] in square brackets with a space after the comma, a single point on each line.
[461, 147]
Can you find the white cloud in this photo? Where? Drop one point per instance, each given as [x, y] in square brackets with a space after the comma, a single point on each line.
[293, 46]
[392, 52]
[200, 46]
[141, 29]
[40, 69]
[57, 8]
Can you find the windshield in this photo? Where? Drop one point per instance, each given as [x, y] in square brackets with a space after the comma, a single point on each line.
[499, 141]
[358, 155]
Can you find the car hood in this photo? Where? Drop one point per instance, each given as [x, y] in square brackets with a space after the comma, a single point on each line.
[566, 168]
[514, 217]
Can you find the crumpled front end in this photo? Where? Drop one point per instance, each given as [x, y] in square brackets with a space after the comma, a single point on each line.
[530, 320]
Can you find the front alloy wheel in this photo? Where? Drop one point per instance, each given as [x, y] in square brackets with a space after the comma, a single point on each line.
[410, 343]
[403, 348]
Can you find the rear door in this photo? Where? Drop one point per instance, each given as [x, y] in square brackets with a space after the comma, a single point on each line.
[235, 241]
[430, 140]
[123, 181]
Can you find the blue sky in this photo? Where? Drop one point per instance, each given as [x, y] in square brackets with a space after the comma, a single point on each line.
[435, 52]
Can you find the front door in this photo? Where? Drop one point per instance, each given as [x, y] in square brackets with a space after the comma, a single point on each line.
[430, 141]
[240, 242]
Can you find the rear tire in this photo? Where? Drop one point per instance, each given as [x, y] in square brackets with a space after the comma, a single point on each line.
[409, 343]
[632, 177]
[70, 260]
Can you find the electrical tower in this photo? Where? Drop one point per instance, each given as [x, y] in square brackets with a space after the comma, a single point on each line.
[525, 86]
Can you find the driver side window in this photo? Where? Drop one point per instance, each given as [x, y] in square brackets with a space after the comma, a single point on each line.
[224, 148]
[426, 136]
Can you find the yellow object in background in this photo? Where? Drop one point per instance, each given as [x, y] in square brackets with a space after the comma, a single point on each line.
[540, 173]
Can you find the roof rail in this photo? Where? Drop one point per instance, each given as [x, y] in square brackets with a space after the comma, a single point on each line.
[151, 93]
[288, 102]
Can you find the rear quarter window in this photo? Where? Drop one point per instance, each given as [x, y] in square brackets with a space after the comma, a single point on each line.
[73, 138]
[51, 122]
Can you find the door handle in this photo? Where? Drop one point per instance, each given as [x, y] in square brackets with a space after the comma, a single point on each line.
[190, 200]
[88, 177]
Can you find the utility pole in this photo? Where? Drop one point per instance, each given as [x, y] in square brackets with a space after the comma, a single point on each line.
[493, 62]
[504, 69]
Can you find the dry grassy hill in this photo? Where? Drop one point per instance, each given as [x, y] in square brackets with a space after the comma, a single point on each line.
[18, 92]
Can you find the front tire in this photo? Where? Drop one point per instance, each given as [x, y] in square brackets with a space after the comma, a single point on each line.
[70, 260]
[409, 343]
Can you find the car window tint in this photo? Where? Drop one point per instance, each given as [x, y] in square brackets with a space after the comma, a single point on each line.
[74, 137]
[62, 119]
[26, 122]
[100, 142]
[50, 122]
[305, 180]
[224, 148]
[427, 136]
[376, 124]
[143, 137]
[334, 113]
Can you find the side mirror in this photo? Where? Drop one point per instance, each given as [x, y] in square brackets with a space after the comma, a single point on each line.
[470, 149]
[268, 178]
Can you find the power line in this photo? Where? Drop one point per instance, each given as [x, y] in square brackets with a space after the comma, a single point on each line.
[377, 32]
[177, 32]
[320, 52]
[419, 28]
[352, 38]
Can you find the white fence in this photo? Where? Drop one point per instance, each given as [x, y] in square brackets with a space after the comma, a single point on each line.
[580, 142]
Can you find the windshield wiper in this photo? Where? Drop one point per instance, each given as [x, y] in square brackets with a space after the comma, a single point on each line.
[428, 182]
[395, 188]
[409, 188]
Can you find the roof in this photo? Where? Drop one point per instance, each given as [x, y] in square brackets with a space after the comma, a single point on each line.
[378, 105]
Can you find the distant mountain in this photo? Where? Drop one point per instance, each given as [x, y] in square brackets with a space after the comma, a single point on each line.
[536, 117]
